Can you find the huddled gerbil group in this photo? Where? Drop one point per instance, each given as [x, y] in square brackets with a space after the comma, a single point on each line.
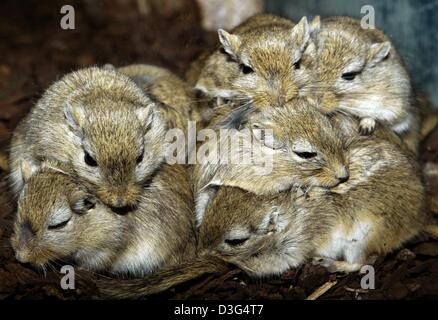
[327, 103]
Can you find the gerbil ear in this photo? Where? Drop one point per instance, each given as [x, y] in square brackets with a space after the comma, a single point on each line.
[202, 201]
[270, 221]
[74, 115]
[378, 52]
[81, 202]
[301, 33]
[145, 115]
[235, 118]
[230, 42]
[28, 168]
[315, 25]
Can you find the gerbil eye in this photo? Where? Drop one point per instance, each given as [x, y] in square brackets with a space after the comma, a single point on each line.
[236, 242]
[297, 64]
[306, 155]
[349, 76]
[140, 158]
[59, 225]
[89, 204]
[89, 160]
[246, 69]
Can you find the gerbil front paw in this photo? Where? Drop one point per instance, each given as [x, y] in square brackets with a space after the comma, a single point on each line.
[336, 266]
[327, 263]
[367, 126]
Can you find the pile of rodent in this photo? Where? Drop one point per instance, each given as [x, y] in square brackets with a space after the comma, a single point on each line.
[328, 102]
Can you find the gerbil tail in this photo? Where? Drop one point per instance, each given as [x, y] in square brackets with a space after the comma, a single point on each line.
[4, 162]
[432, 231]
[161, 280]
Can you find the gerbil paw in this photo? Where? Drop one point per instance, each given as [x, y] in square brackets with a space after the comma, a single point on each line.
[327, 263]
[367, 126]
[336, 266]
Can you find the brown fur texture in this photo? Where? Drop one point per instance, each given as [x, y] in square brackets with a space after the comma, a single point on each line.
[58, 218]
[176, 97]
[103, 124]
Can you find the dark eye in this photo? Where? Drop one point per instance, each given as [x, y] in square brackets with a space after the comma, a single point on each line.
[297, 64]
[236, 242]
[140, 158]
[306, 155]
[246, 69]
[59, 225]
[89, 204]
[89, 160]
[349, 76]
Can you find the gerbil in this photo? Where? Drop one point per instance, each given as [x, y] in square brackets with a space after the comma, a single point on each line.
[58, 218]
[265, 60]
[304, 150]
[103, 124]
[358, 71]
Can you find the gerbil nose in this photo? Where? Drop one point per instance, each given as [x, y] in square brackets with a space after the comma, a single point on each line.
[21, 257]
[343, 175]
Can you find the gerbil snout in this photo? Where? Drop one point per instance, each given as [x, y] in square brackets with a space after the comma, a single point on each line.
[330, 178]
[120, 200]
[342, 174]
[20, 242]
[22, 256]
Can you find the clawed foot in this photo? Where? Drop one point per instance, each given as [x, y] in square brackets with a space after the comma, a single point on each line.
[367, 126]
[336, 266]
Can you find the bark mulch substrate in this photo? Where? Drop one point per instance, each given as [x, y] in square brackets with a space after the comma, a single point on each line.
[35, 52]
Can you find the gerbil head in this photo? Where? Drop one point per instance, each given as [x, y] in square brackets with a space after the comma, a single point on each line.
[241, 234]
[119, 137]
[272, 63]
[305, 149]
[53, 218]
[350, 69]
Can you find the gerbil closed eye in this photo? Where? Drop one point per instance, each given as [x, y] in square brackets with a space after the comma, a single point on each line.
[89, 160]
[59, 225]
[236, 242]
[246, 69]
[350, 76]
[306, 155]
